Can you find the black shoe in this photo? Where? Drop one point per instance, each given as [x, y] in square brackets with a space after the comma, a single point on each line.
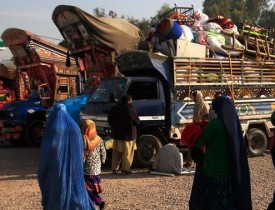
[126, 172]
[102, 205]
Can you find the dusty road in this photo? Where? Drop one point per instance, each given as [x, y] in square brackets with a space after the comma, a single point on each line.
[19, 188]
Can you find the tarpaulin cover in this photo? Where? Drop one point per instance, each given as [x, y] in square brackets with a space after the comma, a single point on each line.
[116, 33]
[60, 172]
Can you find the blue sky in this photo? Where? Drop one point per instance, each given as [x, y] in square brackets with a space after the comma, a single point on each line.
[35, 15]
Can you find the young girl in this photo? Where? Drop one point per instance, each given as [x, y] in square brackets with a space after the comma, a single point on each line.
[94, 157]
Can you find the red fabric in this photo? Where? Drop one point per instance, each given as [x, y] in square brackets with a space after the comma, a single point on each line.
[192, 132]
[82, 66]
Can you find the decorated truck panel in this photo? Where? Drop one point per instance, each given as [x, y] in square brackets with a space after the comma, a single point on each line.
[46, 79]
[8, 80]
[95, 41]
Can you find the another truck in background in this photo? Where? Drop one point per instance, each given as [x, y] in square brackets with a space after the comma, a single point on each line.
[94, 41]
[43, 78]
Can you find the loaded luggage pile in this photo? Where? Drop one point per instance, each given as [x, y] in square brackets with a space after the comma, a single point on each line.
[194, 34]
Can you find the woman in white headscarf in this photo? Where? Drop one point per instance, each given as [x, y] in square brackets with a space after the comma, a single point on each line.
[200, 113]
[201, 108]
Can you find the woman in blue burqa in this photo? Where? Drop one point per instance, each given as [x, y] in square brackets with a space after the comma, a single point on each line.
[225, 166]
[60, 172]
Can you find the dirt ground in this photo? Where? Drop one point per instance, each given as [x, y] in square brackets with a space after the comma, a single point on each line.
[19, 188]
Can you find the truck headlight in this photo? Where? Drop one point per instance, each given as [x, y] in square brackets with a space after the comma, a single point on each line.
[31, 111]
[11, 114]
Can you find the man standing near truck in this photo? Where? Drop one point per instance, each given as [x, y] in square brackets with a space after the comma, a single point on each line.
[123, 119]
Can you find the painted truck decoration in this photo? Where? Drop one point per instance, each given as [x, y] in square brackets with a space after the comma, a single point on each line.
[43, 79]
[94, 41]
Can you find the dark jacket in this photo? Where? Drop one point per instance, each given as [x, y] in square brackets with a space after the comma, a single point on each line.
[123, 119]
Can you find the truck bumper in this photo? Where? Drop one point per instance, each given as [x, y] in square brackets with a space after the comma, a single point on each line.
[10, 137]
[11, 133]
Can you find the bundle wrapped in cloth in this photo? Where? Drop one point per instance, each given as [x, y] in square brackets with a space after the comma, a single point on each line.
[192, 132]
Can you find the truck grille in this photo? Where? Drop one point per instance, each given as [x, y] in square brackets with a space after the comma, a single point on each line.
[4, 115]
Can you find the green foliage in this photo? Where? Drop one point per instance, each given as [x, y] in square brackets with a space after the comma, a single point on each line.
[254, 8]
[213, 8]
[112, 14]
[238, 12]
[143, 24]
[241, 11]
[99, 12]
[267, 18]
[163, 9]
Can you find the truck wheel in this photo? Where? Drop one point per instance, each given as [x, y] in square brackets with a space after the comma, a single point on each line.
[147, 149]
[34, 133]
[257, 142]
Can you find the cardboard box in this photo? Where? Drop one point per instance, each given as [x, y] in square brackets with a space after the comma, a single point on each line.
[190, 50]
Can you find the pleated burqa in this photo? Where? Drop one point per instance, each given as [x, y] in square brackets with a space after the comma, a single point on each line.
[60, 172]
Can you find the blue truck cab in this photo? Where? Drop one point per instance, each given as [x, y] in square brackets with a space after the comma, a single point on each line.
[22, 118]
[74, 104]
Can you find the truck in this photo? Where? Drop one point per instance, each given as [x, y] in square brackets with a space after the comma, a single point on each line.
[42, 79]
[94, 41]
[161, 87]
[161, 82]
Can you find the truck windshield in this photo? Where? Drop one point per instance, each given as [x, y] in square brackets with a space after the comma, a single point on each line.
[109, 90]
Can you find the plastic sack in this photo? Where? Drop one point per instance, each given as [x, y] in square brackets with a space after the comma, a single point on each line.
[200, 16]
[234, 30]
[215, 42]
[187, 33]
[200, 37]
[229, 42]
[213, 27]
[198, 26]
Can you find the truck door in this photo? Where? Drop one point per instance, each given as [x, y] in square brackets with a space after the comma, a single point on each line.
[149, 101]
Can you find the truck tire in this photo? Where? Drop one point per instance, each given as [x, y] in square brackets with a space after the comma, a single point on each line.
[34, 133]
[147, 149]
[257, 142]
